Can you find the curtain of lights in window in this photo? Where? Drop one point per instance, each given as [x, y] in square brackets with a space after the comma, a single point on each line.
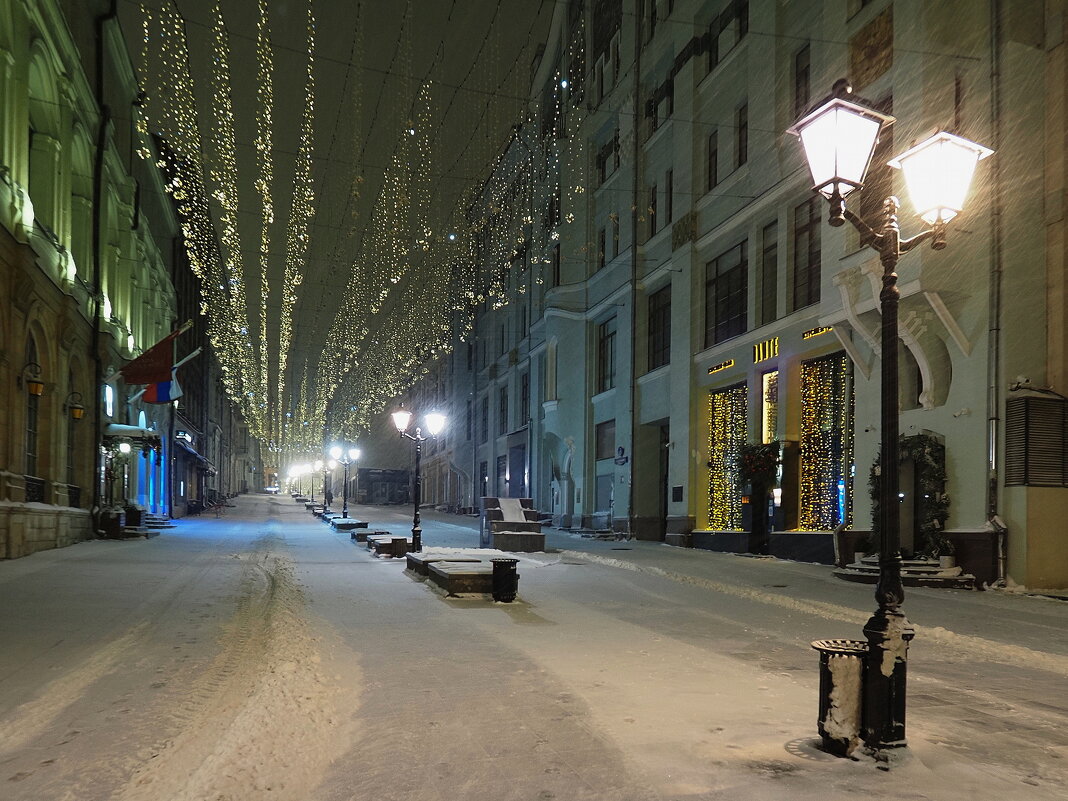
[726, 436]
[769, 406]
[826, 443]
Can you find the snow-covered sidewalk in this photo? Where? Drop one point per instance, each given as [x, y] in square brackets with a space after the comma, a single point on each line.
[263, 655]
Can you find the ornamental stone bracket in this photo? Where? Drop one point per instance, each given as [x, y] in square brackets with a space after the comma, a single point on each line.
[926, 322]
[848, 282]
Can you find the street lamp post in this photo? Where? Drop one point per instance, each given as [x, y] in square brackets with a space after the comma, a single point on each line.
[316, 467]
[434, 423]
[345, 458]
[327, 496]
[839, 138]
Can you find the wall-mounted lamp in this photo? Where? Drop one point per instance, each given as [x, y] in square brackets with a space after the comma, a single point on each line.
[31, 373]
[73, 404]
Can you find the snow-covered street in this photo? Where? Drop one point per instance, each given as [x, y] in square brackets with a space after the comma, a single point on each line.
[262, 655]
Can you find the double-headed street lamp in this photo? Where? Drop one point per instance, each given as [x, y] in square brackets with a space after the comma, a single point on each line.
[327, 495]
[345, 458]
[435, 422]
[839, 139]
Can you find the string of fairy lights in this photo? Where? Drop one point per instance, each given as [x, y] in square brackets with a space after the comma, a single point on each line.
[826, 444]
[301, 212]
[727, 413]
[264, 181]
[413, 281]
[173, 114]
[223, 173]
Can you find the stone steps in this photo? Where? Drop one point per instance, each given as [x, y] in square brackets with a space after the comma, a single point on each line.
[914, 573]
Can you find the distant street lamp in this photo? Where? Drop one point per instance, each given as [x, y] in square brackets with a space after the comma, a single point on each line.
[434, 422]
[345, 458]
[839, 138]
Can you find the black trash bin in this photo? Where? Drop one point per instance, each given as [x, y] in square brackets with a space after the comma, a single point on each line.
[505, 579]
[841, 692]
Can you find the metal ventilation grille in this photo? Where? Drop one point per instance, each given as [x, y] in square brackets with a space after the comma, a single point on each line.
[1036, 434]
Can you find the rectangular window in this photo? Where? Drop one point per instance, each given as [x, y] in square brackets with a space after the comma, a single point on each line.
[727, 412]
[652, 209]
[669, 187]
[554, 267]
[484, 422]
[606, 355]
[806, 289]
[602, 244]
[802, 81]
[826, 448]
[615, 235]
[726, 295]
[524, 398]
[769, 416]
[879, 180]
[769, 273]
[502, 411]
[660, 328]
[605, 439]
[741, 129]
[713, 160]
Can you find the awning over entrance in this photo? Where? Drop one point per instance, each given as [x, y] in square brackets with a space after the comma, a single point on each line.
[118, 431]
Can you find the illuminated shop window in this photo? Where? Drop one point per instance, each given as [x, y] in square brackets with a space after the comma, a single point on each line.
[826, 443]
[769, 415]
[726, 436]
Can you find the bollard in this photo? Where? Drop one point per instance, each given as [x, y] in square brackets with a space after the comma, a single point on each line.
[841, 689]
[505, 579]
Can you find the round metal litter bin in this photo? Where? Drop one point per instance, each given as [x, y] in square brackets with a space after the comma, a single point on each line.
[841, 691]
[505, 579]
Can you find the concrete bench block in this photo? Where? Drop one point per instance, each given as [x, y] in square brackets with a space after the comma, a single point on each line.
[389, 545]
[347, 523]
[419, 563]
[458, 578]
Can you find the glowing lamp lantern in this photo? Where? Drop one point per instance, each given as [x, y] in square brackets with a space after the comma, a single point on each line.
[354, 454]
[401, 418]
[839, 139]
[435, 422]
[336, 451]
[938, 173]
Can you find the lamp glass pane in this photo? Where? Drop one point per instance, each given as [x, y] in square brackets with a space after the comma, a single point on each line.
[354, 454]
[401, 419]
[336, 451]
[838, 146]
[938, 174]
[435, 421]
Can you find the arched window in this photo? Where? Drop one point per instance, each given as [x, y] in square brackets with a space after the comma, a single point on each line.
[32, 409]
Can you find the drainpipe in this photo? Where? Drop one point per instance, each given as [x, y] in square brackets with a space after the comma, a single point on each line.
[632, 395]
[97, 221]
[993, 403]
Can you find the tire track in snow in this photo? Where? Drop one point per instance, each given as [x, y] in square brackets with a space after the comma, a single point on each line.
[264, 718]
[965, 644]
[29, 720]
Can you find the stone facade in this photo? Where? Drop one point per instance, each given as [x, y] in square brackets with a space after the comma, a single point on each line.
[659, 287]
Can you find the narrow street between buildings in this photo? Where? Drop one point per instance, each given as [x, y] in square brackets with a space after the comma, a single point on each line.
[263, 655]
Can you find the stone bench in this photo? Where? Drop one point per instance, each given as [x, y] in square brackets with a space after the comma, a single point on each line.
[347, 523]
[388, 545]
[519, 541]
[361, 534]
[419, 563]
[457, 578]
